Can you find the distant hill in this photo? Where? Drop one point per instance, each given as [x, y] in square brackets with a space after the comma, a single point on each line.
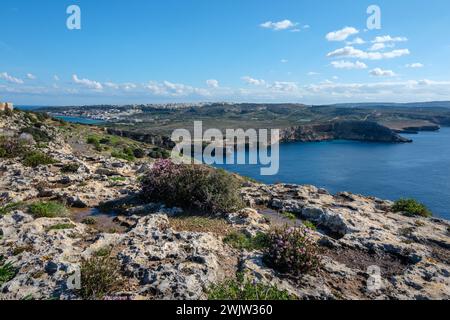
[431, 104]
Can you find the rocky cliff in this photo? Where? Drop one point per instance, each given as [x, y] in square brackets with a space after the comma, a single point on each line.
[342, 130]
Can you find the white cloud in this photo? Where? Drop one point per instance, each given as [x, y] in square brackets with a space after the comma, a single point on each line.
[10, 78]
[31, 76]
[377, 46]
[55, 77]
[252, 81]
[415, 65]
[312, 73]
[212, 83]
[341, 35]
[348, 65]
[91, 84]
[284, 61]
[351, 52]
[378, 72]
[356, 41]
[284, 86]
[280, 25]
[167, 88]
[384, 39]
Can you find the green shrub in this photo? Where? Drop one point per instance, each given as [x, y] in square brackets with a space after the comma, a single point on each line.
[11, 147]
[411, 207]
[7, 271]
[289, 215]
[292, 251]
[139, 153]
[95, 142]
[159, 153]
[70, 168]
[309, 225]
[50, 209]
[38, 134]
[125, 154]
[36, 158]
[194, 187]
[242, 289]
[241, 241]
[100, 276]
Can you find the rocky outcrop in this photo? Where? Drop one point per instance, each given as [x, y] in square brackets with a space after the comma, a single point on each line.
[342, 130]
[360, 235]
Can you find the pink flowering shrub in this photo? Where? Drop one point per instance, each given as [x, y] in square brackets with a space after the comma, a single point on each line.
[196, 187]
[292, 250]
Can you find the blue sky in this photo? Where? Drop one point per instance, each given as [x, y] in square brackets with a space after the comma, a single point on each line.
[223, 50]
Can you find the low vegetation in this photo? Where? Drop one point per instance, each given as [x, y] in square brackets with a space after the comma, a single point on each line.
[35, 158]
[244, 289]
[7, 271]
[195, 187]
[309, 225]
[90, 221]
[38, 134]
[125, 154]
[61, 226]
[10, 207]
[292, 251]
[11, 147]
[100, 276]
[241, 241]
[200, 224]
[50, 209]
[411, 207]
[159, 153]
[289, 215]
[70, 168]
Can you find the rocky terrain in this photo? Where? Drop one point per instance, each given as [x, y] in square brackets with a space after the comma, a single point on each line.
[367, 251]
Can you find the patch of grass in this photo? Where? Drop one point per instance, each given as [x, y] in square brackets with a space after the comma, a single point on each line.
[100, 276]
[309, 225]
[61, 226]
[10, 207]
[241, 241]
[90, 221]
[243, 289]
[124, 155]
[50, 209]
[7, 271]
[289, 215]
[36, 158]
[70, 168]
[103, 252]
[93, 140]
[411, 207]
[200, 224]
[117, 179]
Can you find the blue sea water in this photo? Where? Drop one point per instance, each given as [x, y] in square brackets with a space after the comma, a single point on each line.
[65, 118]
[419, 170]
